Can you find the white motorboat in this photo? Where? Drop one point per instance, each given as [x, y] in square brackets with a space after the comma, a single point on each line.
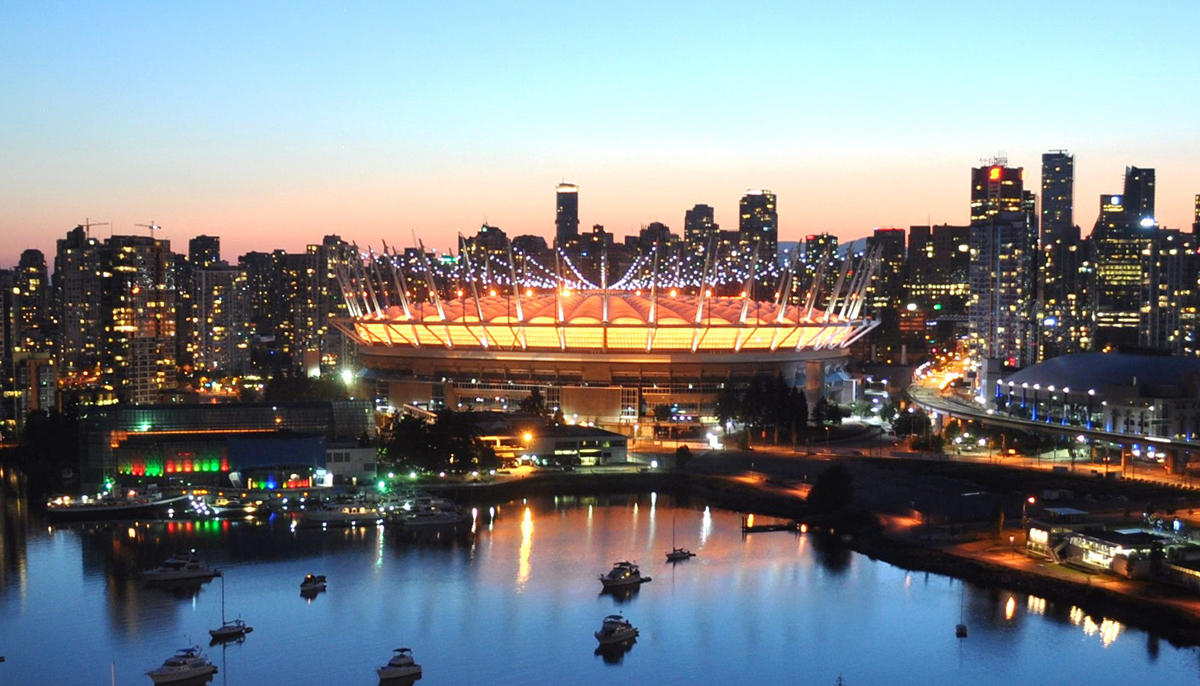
[623, 573]
[431, 516]
[401, 665]
[186, 664]
[615, 629]
[341, 514]
[148, 502]
[313, 583]
[230, 628]
[182, 567]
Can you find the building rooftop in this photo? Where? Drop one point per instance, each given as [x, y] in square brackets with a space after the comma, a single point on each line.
[1085, 371]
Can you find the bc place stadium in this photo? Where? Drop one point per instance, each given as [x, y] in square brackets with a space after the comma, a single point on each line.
[603, 355]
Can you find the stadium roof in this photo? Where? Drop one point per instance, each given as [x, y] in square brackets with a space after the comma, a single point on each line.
[1086, 371]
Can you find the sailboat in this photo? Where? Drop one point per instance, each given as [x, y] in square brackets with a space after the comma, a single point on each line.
[677, 554]
[960, 630]
[229, 629]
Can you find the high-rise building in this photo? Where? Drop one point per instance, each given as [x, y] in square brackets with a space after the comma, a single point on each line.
[1123, 245]
[758, 223]
[1065, 318]
[699, 227]
[1196, 217]
[1168, 310]
[222, 320]
[886, 292]
[204, 251]
[1003, 261]
[566, 215]
[996, 189]
[80, 277]
[139, 296]
[1139, 196]
[31, 302]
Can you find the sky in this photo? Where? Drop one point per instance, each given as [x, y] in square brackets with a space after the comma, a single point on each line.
[273, 125]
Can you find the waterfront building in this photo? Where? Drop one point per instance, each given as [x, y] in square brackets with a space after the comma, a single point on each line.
[566, 214]
[576, 445]
[248, 445]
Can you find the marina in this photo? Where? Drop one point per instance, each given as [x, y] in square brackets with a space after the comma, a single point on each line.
[514, 597]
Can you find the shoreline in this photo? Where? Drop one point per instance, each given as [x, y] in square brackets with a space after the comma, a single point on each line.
[1175, 624]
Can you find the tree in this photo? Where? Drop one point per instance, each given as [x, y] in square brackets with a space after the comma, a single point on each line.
[534, 403]
[820, 413]
[832, 491]
[799, 406]
[728, 404]
[683, 455]
[911, 423]
[302, 388]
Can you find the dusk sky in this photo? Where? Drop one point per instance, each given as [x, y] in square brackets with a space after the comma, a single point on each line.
[272, 125]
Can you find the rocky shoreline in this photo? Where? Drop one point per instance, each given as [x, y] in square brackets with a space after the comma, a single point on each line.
[859, 531]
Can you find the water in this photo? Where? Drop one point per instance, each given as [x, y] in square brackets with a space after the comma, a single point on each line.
[517, 603]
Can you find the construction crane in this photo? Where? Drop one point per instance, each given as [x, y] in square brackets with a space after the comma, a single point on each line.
[87, 226]
[152, 226]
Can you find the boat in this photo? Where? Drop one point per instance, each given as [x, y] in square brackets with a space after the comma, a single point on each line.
[229, 629]
[135, 503]
[960, 631]
[623, 573]
[400, 666]
[341, 514]
[185, 665]
[232, 507]
[615, 629]
[431, 516]
[677, 554]
[181, 567]
[313, 583]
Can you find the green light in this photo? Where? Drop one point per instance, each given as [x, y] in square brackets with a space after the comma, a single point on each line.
[145, 426]
[382, 485]
[937, 306]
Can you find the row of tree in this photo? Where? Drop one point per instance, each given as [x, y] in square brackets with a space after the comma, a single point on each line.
[771, 406]
[451, 444]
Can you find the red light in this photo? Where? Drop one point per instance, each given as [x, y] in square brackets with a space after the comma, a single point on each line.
[994, 174]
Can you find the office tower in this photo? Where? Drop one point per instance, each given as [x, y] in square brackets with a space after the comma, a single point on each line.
[937, 279]
[1121, 250]
[79, 281]
[1003, 261]
[204, 251]
[886, 291]
[1065, 319]
[334, 347]
[1139, 197]
[699, 227]
[996, 189]
[566, 215]
[758, 223]
[139, 300]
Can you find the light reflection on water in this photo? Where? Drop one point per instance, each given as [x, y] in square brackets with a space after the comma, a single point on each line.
[517, 603]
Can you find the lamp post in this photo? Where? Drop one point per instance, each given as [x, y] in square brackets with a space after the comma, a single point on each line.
[1024, 504]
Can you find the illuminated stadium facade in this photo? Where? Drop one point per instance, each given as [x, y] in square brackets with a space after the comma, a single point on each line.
[609, 356]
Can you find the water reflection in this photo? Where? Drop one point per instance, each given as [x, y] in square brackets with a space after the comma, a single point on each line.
[614, 653]
[523, 565]
[621, 594]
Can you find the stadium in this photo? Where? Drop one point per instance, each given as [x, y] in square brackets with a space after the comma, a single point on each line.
[605, 357]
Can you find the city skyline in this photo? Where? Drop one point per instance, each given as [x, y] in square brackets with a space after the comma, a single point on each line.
[383, 121]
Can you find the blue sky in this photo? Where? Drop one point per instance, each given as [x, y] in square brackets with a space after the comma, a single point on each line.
[274, 125]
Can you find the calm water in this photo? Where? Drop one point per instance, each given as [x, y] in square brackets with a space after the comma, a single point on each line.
[517, 603]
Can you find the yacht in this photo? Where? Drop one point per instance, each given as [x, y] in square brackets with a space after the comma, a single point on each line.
[401, 665]
[313, 583]
[182, 567]
[623, 573]
[232, 507]
[341, 514]
[678, 554]
[185, 665]
[431, 516]
[146, 502]
[616, 629]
